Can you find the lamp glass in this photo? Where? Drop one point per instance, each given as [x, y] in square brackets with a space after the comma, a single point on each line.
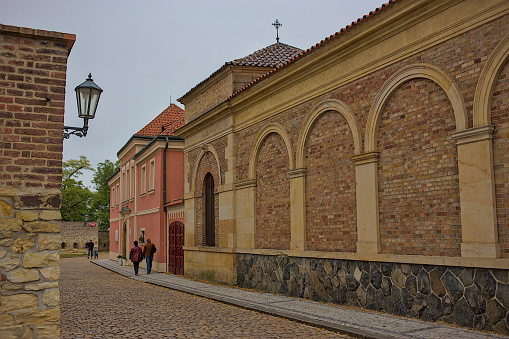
[87, 96]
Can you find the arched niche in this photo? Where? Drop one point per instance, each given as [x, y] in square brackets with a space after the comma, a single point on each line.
[325, 106]
[405, 74]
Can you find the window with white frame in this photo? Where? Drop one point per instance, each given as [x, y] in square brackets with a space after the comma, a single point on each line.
[132, 181]
[127, 188]
[122, 187]
[143, 183]
[152, 175]
[113, 196]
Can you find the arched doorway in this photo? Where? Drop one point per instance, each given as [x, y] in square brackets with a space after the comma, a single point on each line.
[210, 218]
[176, 251]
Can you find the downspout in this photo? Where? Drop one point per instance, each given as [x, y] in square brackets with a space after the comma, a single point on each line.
[164, 206]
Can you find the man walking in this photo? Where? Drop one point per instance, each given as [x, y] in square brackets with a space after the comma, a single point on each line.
[90, 246]
[148, 251]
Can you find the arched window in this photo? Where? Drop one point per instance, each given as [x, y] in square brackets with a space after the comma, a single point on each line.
[209, 211]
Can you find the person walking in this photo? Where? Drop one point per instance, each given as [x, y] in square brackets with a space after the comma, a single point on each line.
[136, 256]
[148, 251]
[90, 246]
[96, 250]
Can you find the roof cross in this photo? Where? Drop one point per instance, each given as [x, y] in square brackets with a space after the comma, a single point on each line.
[277, 25]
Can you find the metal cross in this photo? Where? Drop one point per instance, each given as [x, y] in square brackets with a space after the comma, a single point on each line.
[277, 25]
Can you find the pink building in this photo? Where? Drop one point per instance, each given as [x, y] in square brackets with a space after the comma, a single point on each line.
[147, 193]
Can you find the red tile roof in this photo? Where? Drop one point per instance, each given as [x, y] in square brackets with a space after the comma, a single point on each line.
[172, 118]
[315, 47]
[270, 56]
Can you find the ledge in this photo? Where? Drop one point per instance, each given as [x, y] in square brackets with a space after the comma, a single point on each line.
[393, 258]
[474, 134]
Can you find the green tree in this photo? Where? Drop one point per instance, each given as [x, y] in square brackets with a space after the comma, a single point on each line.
[76, 197]
[100, 204]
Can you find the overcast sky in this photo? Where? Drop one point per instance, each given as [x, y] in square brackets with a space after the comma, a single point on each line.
[142, 52]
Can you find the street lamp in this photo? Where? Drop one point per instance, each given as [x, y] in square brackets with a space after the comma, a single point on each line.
[86, 219]
[87, 96]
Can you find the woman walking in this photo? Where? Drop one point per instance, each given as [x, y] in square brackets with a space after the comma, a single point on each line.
[136, 256]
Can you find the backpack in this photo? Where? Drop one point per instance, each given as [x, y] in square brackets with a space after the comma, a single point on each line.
[153, 249]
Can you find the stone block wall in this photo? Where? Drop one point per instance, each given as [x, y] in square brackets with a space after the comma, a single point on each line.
[32, 95]
[104, 241]
[470, 297]
[75, 235]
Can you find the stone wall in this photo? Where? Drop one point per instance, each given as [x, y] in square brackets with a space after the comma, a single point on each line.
[32, 95]
[76, 234]
[104, 241]
[470, 297]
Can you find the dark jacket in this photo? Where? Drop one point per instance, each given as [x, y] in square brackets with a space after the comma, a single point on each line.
[90, 245]
[134, 254]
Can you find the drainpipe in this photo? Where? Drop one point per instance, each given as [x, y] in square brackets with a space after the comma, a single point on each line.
[164, 206]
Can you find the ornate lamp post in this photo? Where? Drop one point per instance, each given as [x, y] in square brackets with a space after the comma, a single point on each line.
[87, 96]
[86, 219]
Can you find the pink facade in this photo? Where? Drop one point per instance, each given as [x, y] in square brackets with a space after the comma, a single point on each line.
[148, 190]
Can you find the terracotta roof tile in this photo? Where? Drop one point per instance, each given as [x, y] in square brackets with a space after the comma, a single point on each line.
[270, 56]
[313, 48]
[172, 118]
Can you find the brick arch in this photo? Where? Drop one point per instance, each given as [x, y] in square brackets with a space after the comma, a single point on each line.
[262, 135]
[325, 106]
[487, 80]
[417, 173]
[201, 178]
[405, 74]
[272, 195]
[216, 172]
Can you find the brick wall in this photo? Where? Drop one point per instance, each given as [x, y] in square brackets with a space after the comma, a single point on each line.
[210, 98]
[272, 195]
[207, 164]
[500, 119]
[330, 186]
[418, 173]
[32, 89]
[462, 60]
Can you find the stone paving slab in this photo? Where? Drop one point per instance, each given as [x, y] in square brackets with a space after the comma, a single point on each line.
[333, 317]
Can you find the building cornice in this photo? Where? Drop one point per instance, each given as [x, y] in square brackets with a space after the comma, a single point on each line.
[354, 47]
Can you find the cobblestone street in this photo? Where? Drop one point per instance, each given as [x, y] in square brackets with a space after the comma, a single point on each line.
[96, 303]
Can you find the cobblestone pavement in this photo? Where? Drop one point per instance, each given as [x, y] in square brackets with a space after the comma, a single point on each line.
[97, 303]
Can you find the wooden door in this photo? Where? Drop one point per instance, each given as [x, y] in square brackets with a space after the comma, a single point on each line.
[176, 241]
[210, 217]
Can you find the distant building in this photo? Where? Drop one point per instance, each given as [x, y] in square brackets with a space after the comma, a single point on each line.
[76, 234]
[148, 190]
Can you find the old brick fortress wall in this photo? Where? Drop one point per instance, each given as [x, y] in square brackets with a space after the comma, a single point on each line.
[33, 67]
[75, 234]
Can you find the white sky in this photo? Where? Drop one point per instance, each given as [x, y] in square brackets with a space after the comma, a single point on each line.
[142, 52]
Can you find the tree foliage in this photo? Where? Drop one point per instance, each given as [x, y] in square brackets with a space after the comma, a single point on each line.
[78, 200]
[75, 196]
[100, 204]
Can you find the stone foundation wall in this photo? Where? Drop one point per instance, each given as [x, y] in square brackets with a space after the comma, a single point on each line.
[469, 297]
